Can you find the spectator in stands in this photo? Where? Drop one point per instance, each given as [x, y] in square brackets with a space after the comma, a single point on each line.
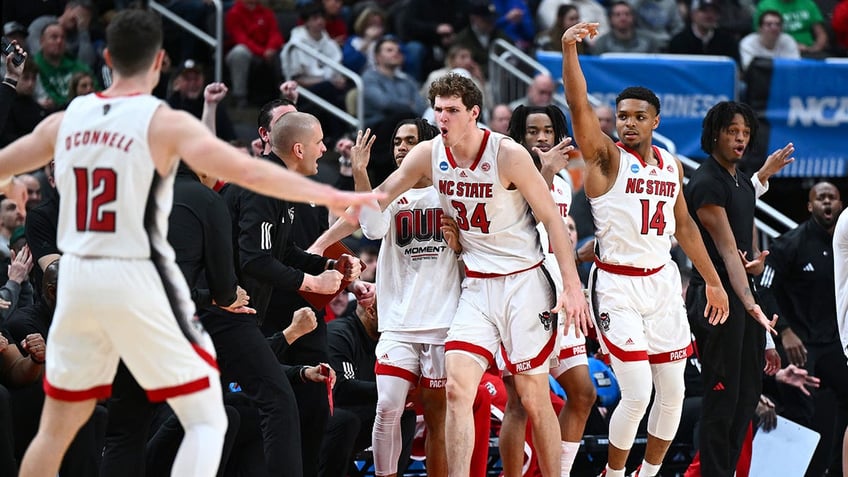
[16, 371]
[431, 27]
[187, 95]
[539, 93]
[75, 20]
[352, 340]
[33, 190]
[481, 32]
[336, 23]
[25, 112]
[55, 68]
[255, 40]
[17, 291]
[736, 16]
[459, 56]
[13, 31]
[839, 22]
[25, 11]
[313, 73]
[389, 96]
[514, 19]
[499, 118]
[589, 11]
[660, 19]
[803, 21]
[82, 83]
[702, 36]
[606, 116]
[623, 36]
[768, 41]
[566, 16]
[30, 326]
[10, 219]
[368, 27]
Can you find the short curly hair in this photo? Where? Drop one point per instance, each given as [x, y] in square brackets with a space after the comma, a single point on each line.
[453, 84]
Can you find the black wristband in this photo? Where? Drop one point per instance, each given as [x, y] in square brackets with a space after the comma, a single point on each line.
[10, 81]
[303, 373]
[331, 264]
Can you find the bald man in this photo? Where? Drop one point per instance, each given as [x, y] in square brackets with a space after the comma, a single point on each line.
[272, 268]
[799, 275]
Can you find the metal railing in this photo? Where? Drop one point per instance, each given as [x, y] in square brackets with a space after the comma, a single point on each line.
[511, 72]
[217, 43]
[358, 121]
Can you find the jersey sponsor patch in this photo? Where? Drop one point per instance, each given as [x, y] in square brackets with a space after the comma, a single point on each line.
[443, 166]
[634, 168]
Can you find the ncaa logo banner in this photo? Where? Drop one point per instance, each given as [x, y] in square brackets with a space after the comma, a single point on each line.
[687, 86]
[808, 106]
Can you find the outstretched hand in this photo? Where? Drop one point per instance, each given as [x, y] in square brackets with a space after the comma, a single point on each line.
[578, 32]
[797, 377]
[360, 152]
[756, 266]
[347, 205]
[554, 159]
[776, 161]
[757, 313]
[573, 305]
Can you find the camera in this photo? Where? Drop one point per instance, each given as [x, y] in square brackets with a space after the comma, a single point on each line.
[7, 48]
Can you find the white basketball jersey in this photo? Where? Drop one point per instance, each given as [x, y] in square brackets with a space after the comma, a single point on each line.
[497, 229]
[561, 192]
[113, 202]
[634, 220]
[418, 280]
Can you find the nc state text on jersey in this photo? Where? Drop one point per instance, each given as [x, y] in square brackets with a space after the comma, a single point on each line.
[472, 190]
[639, 185]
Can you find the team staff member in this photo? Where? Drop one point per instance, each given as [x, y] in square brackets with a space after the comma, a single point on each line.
[799, 276]
[721, 200]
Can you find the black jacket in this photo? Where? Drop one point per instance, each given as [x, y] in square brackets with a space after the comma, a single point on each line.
[799, 276]
[352, 357]
[265, 255]
[199, 230]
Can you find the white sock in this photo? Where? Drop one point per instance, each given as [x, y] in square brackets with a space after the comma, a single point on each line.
[648, 469]
[569, 453]
[614, 473]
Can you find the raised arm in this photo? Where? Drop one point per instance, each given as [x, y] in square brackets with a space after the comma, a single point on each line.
[177, 134]
[599, 151]
[519, 170]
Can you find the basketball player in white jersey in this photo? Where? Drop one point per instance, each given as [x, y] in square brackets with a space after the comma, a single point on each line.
[543, 131]
[122, 295]
[418, 282]
[634, 190]
[488, 184]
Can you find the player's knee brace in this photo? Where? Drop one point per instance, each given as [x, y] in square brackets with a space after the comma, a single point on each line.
[634, 379]
[668, 403]
[386, 437]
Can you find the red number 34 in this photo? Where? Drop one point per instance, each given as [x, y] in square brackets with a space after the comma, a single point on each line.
[478, 218]
[101, 185]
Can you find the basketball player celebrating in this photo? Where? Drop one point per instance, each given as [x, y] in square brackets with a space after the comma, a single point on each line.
[490, 187]
[634, 191]
[543, 130]
[116, 153]
[418, 282]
